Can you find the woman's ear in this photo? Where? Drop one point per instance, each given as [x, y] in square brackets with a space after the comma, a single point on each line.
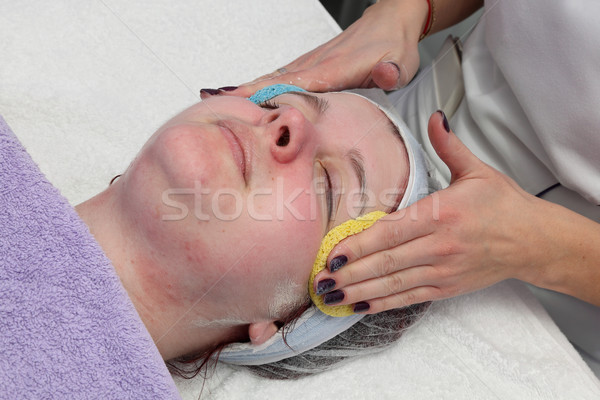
[260, 332]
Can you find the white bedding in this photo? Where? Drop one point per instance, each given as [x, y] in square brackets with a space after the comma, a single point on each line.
[84, 83]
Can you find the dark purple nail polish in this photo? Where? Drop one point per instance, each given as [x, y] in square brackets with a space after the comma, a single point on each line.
[333, 297]
[361, 306]
[212, 92]
[228, 88]
[337, 263]
[445, 121]
[325, 285]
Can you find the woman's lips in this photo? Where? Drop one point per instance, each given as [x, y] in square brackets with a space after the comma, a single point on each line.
[236, 149]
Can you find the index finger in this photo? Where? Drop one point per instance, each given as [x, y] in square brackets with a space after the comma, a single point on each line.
[390, 231]
[303, 79]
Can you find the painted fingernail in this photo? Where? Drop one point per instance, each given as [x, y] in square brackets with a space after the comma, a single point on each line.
[228, 88]
[212, 92]
[325, 286]
[333, 297]
[337, 263]
[361, 306]
[445, 121]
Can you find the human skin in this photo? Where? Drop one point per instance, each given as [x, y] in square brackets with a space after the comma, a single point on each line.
[485, 229]
[471, 243]
[197, 270]
[378, 50]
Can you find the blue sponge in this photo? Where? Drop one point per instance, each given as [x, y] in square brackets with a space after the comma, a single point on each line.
[267, 93]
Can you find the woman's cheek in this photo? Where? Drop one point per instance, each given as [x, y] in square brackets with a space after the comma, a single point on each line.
[298, 243]
[300, 199]
[285, 246]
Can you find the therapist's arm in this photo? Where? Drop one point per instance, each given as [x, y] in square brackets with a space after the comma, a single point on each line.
[379, 49]
[572, 246]
[480, 230]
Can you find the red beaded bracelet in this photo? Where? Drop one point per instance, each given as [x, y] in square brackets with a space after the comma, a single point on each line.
[430, 20]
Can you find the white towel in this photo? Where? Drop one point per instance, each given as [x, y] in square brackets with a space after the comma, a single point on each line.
[497, 343]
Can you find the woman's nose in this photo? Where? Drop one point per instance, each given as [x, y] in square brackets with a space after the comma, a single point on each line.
[286, 128]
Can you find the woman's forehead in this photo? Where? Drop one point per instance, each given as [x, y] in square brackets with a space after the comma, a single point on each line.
[376, 126]
[379, 142]
[358, 109]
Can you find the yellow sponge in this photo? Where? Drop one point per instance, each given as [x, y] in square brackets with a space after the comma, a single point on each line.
[332, 238]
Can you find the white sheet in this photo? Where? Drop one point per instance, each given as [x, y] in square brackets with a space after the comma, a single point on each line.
[494, 344]
[83, 84]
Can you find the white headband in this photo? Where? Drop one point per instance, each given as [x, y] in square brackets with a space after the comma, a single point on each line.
[314, 327]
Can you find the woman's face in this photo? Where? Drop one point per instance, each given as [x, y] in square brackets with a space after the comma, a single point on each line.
[238, 196]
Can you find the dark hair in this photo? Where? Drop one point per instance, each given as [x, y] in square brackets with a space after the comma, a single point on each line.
[372, 334]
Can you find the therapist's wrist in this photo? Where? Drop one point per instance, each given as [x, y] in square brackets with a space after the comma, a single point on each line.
[409, 16]
[429, 21]
[564, 253]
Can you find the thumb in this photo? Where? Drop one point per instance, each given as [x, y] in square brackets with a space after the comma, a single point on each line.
[394, 71]
[451, 150]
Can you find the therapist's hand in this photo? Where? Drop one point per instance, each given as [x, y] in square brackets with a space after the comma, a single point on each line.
[380, 49]
[480, 230]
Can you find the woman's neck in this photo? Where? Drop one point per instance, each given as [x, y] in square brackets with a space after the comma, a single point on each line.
[166, 319]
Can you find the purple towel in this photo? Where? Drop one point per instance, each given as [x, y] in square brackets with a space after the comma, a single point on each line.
[67, 326]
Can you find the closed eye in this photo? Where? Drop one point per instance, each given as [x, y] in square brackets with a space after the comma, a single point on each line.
[269, 105]
[328, 194]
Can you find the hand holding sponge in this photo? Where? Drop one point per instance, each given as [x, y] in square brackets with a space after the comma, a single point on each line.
[330, 240]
